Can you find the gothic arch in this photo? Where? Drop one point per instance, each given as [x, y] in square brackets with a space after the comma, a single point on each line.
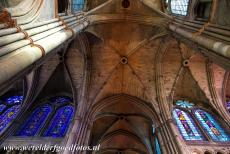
[145, 107]
[122, 116]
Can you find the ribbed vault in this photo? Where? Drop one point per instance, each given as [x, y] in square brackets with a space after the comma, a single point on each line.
[119, 128]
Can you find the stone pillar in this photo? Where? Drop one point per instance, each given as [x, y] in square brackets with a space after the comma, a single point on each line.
[73, 134]
[213, 13]
[161, 142]
[168, 139]
[176, 137]
[70, 7]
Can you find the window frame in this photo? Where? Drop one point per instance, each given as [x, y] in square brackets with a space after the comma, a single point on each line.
[10, 106]
[45, 126]
[179, 15]
[217, 119]
[188, 111]
[191, 111]
[77, 10]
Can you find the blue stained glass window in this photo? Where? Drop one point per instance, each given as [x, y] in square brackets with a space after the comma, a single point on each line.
[186, 125]
[60, 100]
[35, 121]
[228, 106]
[7, 117]
[78, 5]
[157, 146]
[2, 107]
[179, 7]
[60, 122]
[184, 104]
[14, 100]
[213, 128]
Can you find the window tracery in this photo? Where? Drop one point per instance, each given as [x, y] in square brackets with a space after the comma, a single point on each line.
[9, 109]
[35, 121]
[211, 126]
[78, 5]
[186, 125]
[179, 7]
[59, 109]
[185, 121]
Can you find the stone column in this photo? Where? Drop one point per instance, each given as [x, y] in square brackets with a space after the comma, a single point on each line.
[73, 134]
[168, 138]
[176, 137]
[70, 7]
[161, 142]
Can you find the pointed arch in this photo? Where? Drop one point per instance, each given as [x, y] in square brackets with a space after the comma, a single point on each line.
[60, 122]
[35, 121]
[50, 119]
[142, 105]
[212, 126]
[187, 126]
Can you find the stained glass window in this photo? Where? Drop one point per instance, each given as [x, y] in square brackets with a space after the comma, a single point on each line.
[35, 121]
[157, 146]
[186, 125]
[179, 7]
[78, 5]
[60, 100]
[211, 126]
[7, 117]
[184, 104]
[2, 107]
[58, 109]
[60, 122]
[9, 109]
[14, 100]
[228, 106]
